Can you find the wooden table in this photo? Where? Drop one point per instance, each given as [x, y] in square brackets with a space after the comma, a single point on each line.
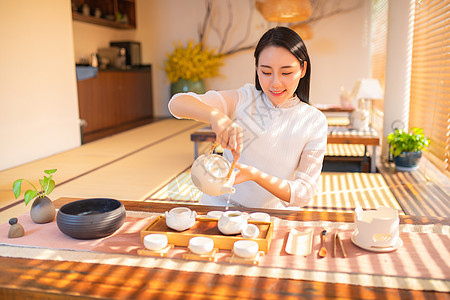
[336, 135]
[46, 279]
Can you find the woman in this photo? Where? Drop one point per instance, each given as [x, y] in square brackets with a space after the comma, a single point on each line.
[279, 139]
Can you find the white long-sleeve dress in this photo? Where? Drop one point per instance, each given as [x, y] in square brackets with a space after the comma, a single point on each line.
[288, 142]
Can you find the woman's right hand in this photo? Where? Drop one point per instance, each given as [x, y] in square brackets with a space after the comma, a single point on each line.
[228, 134]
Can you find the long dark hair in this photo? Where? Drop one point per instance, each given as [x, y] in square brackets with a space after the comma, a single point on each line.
[287, 38]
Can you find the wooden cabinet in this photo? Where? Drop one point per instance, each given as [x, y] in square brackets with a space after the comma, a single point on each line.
[119, 14]
[115, 101]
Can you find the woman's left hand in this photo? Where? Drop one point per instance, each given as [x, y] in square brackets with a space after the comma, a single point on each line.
[245, 173]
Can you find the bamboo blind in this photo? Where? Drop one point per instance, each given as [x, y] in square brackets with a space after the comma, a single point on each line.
[430, 78]
[378, 44]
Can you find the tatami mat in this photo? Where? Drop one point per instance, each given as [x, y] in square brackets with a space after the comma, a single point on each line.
[127, 166]
[336, 192]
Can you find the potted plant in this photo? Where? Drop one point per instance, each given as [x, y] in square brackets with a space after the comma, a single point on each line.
[186, 67]
[406, 147]
[42, 210]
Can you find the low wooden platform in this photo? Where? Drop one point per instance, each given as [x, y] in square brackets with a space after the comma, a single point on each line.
[416, 194]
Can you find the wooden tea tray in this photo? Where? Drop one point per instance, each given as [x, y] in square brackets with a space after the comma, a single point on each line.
[208, 227]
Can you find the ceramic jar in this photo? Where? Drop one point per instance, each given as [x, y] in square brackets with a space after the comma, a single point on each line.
[232, 222]
[376, 228]
[180, 218]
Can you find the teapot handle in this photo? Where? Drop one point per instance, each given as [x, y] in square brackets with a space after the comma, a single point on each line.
[193, 214]
[166, 214]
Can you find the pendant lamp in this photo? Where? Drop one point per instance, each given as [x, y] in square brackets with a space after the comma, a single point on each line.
[284, 11]
[304, 31]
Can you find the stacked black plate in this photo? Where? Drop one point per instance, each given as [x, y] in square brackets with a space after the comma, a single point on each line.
[91, 218]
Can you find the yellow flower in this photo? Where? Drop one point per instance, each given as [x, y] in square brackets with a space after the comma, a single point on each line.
[192, 63]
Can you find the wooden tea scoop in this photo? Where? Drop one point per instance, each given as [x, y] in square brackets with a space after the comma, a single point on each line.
[323, 249]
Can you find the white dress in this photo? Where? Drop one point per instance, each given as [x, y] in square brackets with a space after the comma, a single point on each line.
[288, 142]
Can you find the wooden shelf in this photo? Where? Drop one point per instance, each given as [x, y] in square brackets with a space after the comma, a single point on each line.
[100, 21]
[111, 8]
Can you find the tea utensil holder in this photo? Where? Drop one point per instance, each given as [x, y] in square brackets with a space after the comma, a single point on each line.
[299, 242]
[210, 256]
[161, 253]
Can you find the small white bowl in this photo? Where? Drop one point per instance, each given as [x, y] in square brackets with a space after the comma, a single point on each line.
[155, 241]
[250, 231]
[215, 214]
[246, 248]
[260, 216]
[201, 245]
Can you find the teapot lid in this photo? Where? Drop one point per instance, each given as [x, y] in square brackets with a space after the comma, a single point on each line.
[217, 166]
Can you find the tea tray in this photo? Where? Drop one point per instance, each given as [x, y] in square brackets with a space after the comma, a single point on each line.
[208, 227]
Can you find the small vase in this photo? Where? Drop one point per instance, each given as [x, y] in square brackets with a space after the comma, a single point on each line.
[42, 211]
[184, 86]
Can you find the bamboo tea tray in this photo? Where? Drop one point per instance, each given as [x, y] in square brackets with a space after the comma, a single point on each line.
[208, 227]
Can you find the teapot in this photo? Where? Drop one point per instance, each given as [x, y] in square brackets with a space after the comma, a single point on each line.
[232, 222]
[209, 173]
[376, 228]
[180, 218]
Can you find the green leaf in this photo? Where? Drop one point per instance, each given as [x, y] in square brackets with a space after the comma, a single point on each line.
[29, 195]
[50, 171]
[17, 186]
[50, 187]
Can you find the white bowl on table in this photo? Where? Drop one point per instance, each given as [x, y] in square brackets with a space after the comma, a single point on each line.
[201, 245]
[155, 241]
[245, 248]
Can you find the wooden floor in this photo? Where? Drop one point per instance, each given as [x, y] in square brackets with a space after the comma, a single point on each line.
[135, 164]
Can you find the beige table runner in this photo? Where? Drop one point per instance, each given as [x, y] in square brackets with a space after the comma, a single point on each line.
[422, 263]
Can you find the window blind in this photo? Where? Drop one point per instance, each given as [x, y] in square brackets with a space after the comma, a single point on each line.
[378, 44]
[430, 78]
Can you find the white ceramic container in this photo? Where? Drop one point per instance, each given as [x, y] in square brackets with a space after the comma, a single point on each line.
[245, 248]
[209, 174]
[376, 228]
[251, 231]
[260, 216]
[155, 241]
[201, 245]
[180, 218]
[232, 222]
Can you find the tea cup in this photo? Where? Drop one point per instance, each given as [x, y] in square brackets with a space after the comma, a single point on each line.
[155, 241]
[245, 248]
[201, 245]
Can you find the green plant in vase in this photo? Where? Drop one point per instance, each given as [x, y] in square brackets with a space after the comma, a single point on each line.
[406, 147]
[186, 67]
[42, 209]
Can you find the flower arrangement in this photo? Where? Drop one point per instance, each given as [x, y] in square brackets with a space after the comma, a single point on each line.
[192, 62]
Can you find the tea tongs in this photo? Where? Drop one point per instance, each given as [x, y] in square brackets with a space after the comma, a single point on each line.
[337, 239]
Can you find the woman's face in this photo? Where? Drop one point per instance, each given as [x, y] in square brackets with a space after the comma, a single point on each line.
[279, 73]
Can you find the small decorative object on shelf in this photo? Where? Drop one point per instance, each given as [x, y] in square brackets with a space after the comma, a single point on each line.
[43, 209]
[16, 230]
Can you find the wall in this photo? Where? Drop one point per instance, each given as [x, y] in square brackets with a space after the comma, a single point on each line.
[38, 106]
[339, 50]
